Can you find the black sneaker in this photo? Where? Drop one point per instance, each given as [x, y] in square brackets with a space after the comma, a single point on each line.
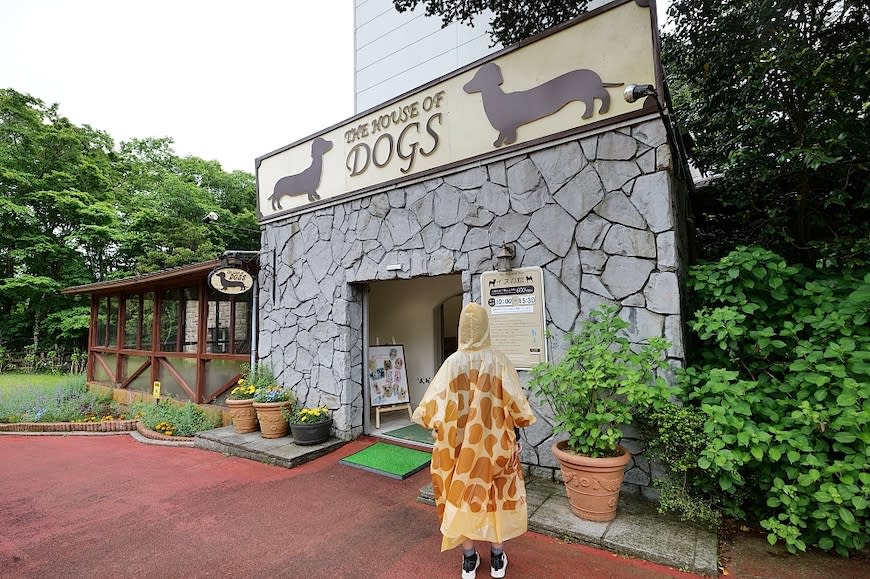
[470, 565]
[497, 565]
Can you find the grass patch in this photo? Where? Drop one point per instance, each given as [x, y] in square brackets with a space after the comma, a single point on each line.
[49, 398]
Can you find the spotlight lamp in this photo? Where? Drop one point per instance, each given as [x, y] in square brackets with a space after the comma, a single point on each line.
[504, 257]
[634, 92]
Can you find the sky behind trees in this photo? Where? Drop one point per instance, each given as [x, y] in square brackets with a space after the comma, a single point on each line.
[226, 80]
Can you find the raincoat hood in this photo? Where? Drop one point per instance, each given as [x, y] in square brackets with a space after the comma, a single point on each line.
[473, 328]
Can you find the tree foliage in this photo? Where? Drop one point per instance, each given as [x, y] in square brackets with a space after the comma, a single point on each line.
[775, 95]
[511, 20]
[76, 209]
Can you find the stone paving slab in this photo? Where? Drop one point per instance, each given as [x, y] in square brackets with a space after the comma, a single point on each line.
[277, 451]
[653, 538]
[638, 530]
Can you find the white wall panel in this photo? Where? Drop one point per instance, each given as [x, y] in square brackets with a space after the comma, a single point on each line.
[398, 52]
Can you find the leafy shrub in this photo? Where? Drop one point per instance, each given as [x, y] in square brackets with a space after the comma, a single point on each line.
[784, 382]
[674, 437]
[67, 401]
[601, 382]
[174, 419]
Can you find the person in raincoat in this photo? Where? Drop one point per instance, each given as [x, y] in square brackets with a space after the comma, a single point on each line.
[475, 406]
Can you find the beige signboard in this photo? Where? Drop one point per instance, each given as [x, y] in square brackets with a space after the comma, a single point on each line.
[557, 84]
[515, 303]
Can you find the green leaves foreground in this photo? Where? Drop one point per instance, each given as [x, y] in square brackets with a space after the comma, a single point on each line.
[783, 381]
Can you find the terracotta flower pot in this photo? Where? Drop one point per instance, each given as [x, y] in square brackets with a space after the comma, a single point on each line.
[272, 422]
[592, 483]
[244, 415]
[308, 434]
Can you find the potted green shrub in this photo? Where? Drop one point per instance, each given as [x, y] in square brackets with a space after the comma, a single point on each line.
[601, 382]
[309, 425]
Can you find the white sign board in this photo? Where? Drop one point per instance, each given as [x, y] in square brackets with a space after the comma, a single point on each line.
[514, 301]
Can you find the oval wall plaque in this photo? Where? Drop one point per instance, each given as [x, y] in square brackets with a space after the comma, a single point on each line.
[230, 280]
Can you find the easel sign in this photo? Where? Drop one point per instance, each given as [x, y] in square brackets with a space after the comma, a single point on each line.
[388, 377]
[388, 380]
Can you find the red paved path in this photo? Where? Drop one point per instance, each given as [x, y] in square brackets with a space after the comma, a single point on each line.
[112, 507]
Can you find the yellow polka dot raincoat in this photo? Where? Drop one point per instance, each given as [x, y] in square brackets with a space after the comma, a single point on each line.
[473, 404]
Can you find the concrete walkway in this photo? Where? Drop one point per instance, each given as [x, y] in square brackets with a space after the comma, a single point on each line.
[638, 529]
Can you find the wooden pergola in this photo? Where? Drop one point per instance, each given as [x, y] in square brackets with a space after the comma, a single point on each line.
[168, 326]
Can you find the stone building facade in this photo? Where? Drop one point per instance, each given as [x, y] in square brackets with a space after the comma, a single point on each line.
[601, 213]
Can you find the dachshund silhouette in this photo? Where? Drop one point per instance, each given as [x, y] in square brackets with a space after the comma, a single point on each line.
[507, 111]
[306, 182]
[228, 283]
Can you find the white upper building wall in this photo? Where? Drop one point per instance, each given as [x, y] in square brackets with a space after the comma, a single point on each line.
[395, 52]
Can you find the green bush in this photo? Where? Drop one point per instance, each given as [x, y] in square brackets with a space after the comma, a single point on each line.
[183, 419]
[601, 383]
[67, 400]
[674, 437]
[784, 382]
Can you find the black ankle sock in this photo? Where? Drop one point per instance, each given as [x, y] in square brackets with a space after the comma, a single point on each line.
[495, 552]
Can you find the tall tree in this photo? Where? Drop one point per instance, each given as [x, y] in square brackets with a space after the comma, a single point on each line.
[56, 205]
[75, 209]
[775, 95]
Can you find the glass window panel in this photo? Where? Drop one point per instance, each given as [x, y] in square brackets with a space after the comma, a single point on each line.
[169, 386]
[131, 323]
[217, 373]
[218, 323]
[112, 325]
[242, 326]
[102, 309]
[147, 320]
[191, 319]
[142, 383]
[170, 301]
[100, 374]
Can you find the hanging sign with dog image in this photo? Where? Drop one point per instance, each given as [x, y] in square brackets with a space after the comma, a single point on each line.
[230, 280]
[555, 85]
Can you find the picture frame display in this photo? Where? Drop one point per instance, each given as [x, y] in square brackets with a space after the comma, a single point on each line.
[388, 375]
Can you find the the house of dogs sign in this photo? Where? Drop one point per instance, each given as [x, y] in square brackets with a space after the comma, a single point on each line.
[561, 83]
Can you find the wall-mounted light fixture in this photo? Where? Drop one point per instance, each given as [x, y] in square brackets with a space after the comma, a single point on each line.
[504, 257]
[634, 92]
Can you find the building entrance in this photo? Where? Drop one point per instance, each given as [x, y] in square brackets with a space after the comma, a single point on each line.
[412, 327]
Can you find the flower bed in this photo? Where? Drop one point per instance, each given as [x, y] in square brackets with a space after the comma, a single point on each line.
[154, 435]
[103, 426]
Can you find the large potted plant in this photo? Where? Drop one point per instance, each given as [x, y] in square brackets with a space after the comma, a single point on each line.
[241, 404]
[309, 425]
[270, 400]
[600, 384]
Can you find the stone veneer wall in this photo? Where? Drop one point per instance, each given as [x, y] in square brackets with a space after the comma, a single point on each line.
[600, 214]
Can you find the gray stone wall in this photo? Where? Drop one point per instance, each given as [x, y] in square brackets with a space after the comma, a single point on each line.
[600, 214]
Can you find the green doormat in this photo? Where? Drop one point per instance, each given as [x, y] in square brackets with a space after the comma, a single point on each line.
[413, 432]
[389, 460]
